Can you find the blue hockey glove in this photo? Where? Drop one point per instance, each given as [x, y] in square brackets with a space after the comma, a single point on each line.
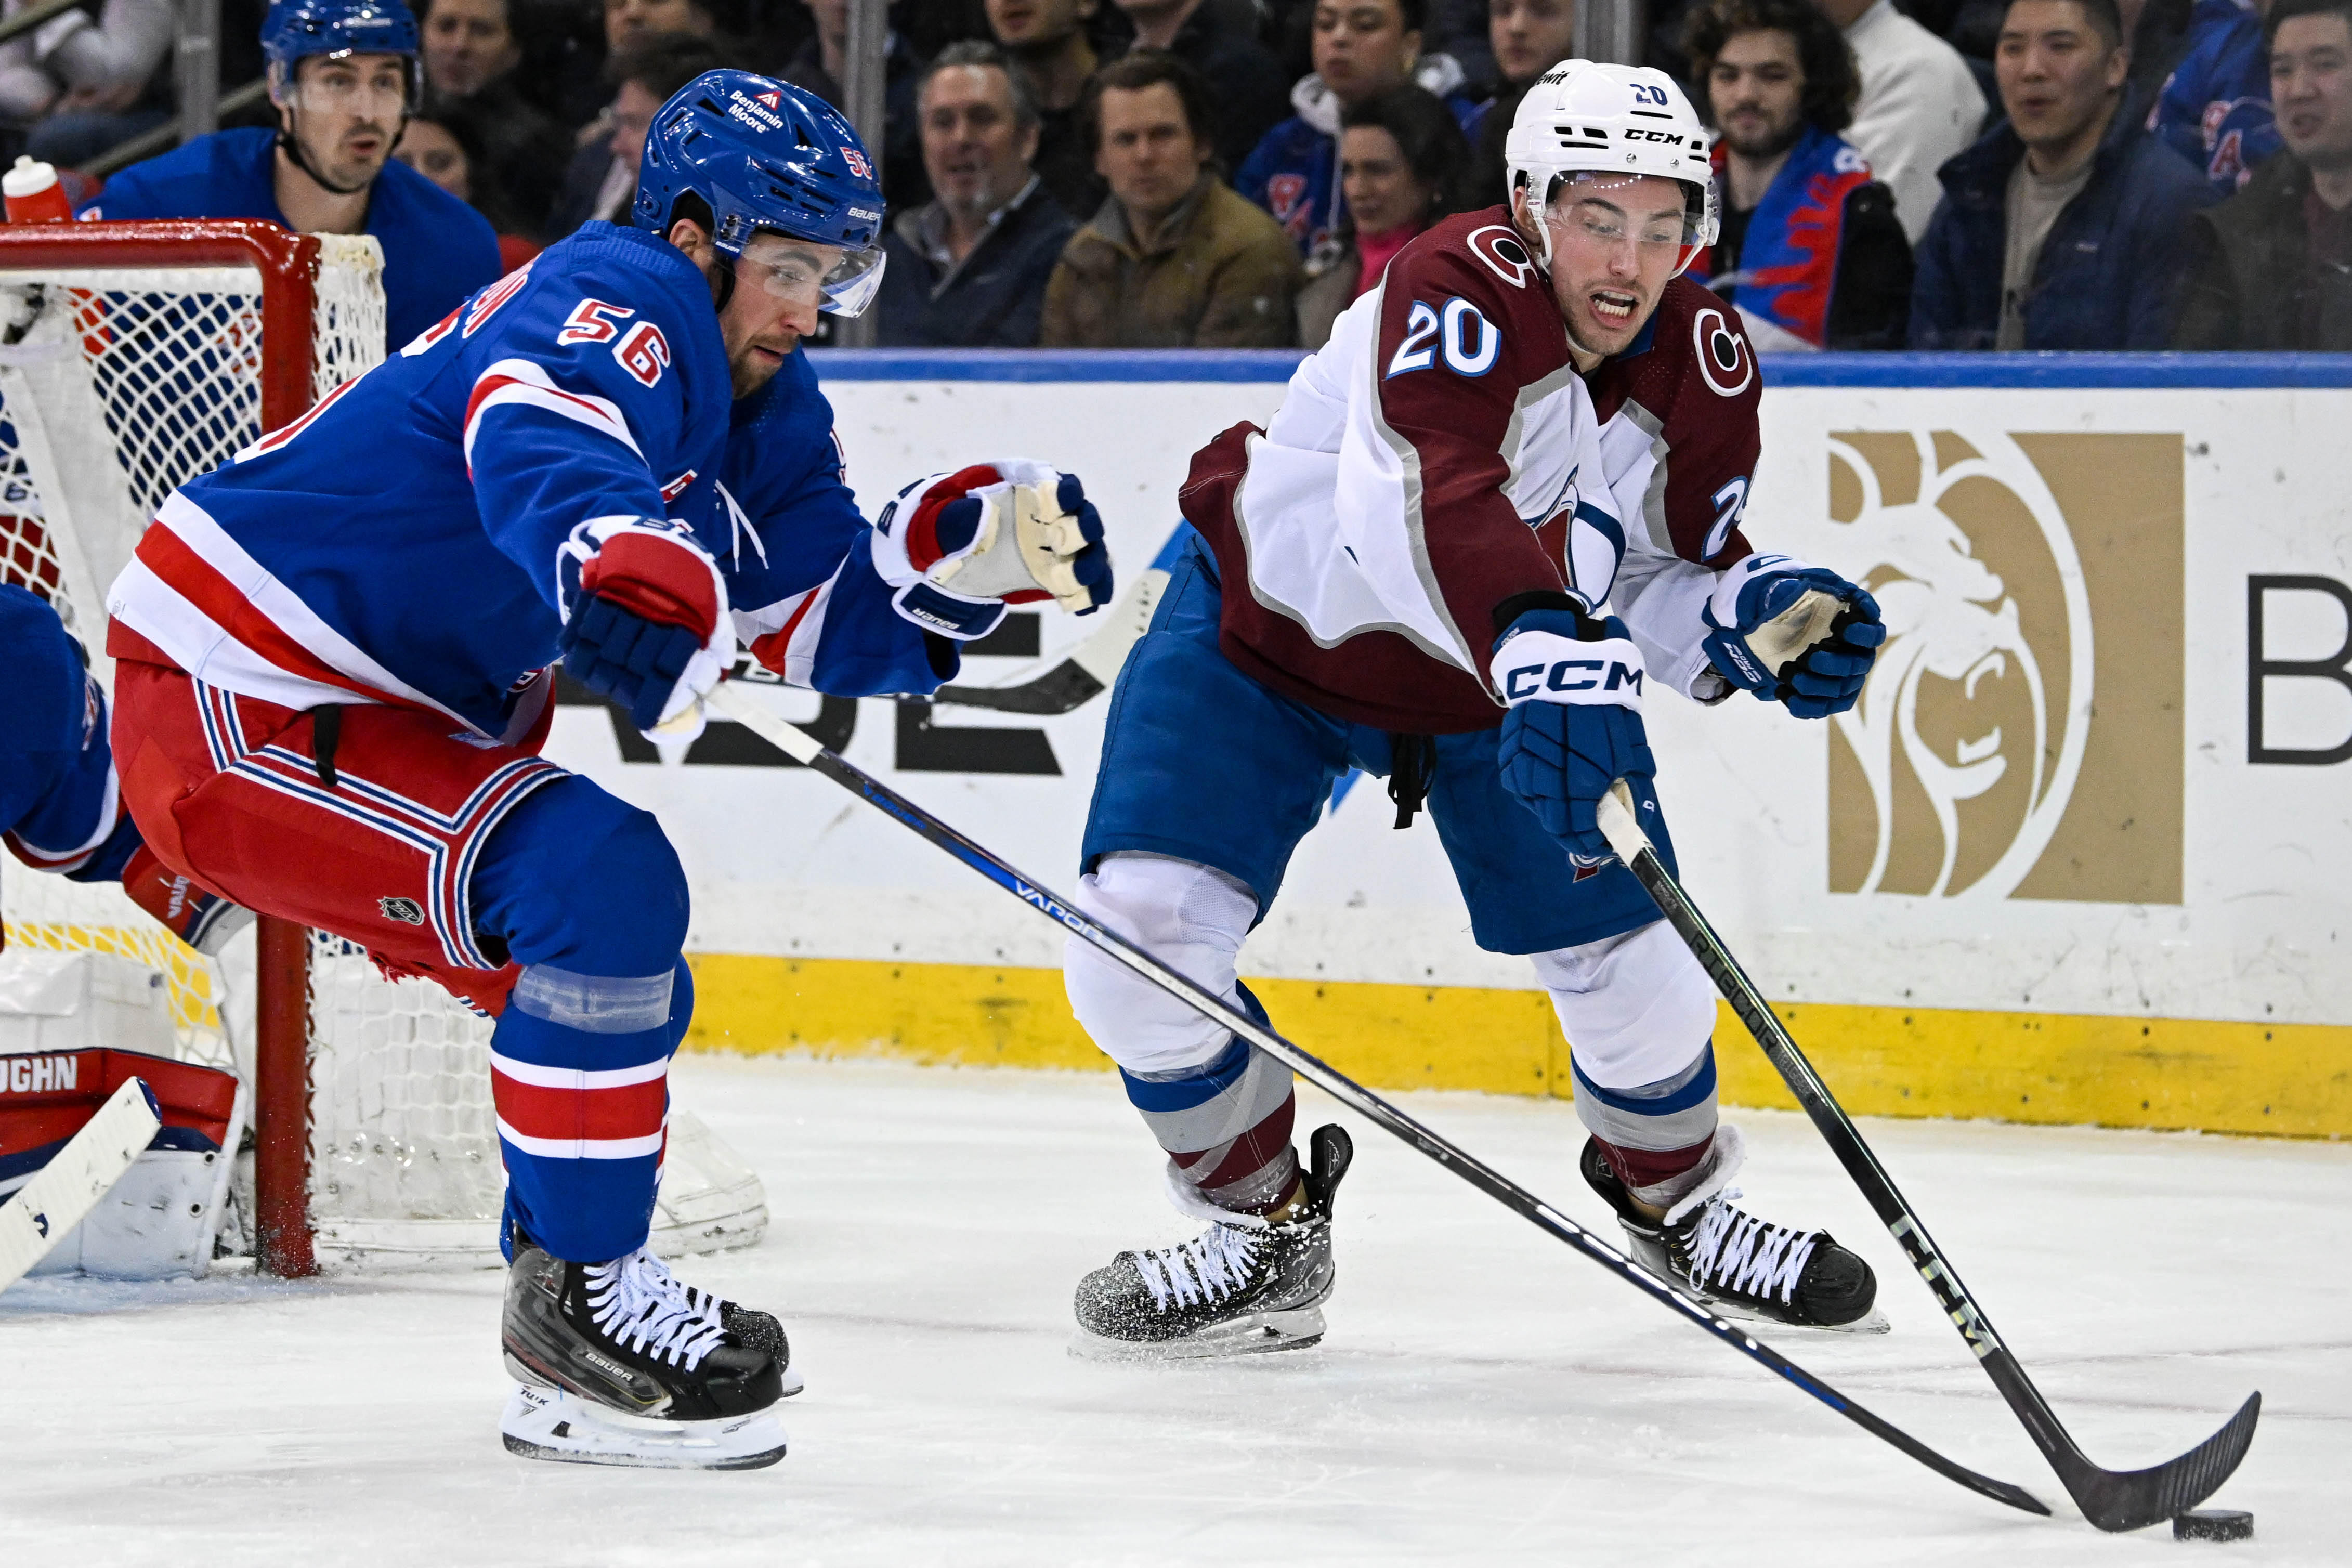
[1574, 728]
[960, 547]
[644, 620]
[1796, 635]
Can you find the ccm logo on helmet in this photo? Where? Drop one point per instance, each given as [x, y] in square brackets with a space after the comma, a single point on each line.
[1641, 133]
[1571, 674]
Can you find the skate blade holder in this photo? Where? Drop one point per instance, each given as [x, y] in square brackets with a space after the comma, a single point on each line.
[1262, 1333]
[555, 1425]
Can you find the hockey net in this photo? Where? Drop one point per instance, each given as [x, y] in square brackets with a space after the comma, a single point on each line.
[133, 358]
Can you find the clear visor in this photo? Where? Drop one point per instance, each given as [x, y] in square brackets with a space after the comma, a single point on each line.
[381, 88]
[837, 281]
[1611, 209]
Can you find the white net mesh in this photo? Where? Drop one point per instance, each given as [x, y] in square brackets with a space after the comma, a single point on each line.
[118, 384]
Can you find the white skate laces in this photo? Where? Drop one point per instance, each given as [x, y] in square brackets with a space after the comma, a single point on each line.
[1736, 1251]
[1209, 1267]
[637, 1302]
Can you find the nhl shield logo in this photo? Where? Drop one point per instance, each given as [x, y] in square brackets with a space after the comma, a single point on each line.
[406, 910]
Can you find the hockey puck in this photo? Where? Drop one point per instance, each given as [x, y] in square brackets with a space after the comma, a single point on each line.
[2213, 1524]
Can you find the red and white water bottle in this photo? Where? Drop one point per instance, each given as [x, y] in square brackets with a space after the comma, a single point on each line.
[35, 195]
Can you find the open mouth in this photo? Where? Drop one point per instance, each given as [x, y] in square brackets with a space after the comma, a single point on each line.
[1613, 307]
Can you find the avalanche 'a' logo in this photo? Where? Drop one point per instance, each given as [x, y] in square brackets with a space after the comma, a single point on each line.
[1723, 356]
[1502, 252]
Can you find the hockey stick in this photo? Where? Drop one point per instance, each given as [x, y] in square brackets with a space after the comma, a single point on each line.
[1086, 673]
[45, 1209]
[736, 705]
[2112, 1500]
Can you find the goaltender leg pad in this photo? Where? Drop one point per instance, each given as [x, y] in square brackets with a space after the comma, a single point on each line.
[376, 842]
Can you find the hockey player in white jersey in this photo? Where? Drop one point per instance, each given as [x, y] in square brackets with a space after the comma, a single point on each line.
[334, 657]
[1434, 565]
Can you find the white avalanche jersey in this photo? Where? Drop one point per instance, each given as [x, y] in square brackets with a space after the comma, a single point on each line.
[1439, 458]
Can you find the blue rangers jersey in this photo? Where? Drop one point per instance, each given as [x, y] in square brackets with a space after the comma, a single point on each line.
[436, 250]
[60, 808]
[795, 552]
[2215, 107]
[399, 543]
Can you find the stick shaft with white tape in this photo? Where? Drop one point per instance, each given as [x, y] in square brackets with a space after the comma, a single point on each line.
[2108, 1499]
[71, 1184]
[740, 706]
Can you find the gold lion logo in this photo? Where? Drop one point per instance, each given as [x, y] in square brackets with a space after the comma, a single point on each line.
[1969, 740]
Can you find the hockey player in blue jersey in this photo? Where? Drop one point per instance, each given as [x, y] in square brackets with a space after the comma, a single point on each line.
[334, 662]
[60, 806]
[344, 78]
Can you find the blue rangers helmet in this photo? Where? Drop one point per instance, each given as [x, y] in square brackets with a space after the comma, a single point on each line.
[294, 30]
[767, 155]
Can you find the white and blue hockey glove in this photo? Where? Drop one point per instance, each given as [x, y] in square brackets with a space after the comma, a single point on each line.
[1574, 728]
[644, 620]
[958, 548]
[1796, 635]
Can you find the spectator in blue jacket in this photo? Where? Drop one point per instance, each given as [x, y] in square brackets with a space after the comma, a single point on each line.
[2215, 107]
[2065, 227]
[968, 268]
[1361, 47]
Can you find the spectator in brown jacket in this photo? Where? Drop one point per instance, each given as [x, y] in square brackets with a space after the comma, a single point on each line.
[1173, 259]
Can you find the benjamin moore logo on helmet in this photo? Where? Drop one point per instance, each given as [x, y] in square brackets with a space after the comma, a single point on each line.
[753, 110]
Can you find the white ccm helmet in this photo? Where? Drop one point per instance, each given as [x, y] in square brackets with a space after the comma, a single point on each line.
[1586, 117]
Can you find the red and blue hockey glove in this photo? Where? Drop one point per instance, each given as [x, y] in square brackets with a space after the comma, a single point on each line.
[958, 548]
[1574, 728]
[644, 620]
[1796, 635]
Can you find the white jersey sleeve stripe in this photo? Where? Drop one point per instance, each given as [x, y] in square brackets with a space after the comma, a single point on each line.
[511, 383]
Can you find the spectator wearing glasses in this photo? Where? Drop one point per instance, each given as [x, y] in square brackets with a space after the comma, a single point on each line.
[2066, 226]
[471, 51]
[1359, 48]
[2271, 267]
[343, 79]
[1810, 250]
[1920, 103]
[2215, 107]
[969, 269]
[1173, 259]
[1403, 159]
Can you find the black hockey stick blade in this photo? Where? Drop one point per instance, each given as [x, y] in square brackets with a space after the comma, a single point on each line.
[1061, 690]
[2134, 1499]
[2112, 1500]
[1086, 673]
[805, 748]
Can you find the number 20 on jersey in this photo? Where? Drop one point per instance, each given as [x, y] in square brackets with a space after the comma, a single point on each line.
[1457, 332]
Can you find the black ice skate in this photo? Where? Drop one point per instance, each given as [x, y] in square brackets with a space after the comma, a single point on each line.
[1740, 1266]
[1241, 1288]
[619, 1363]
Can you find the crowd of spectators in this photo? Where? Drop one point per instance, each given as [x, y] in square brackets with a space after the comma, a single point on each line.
[1954, 175]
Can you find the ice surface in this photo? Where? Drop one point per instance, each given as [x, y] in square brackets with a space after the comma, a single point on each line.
[1485, 1395]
